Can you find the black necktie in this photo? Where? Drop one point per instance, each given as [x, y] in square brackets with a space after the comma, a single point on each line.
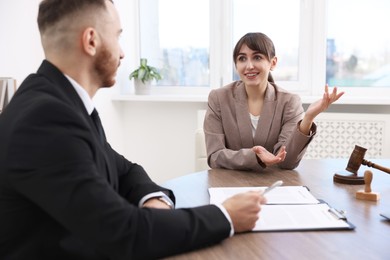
[98, 124]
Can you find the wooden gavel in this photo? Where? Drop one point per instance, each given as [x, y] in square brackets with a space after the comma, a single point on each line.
[357, 159]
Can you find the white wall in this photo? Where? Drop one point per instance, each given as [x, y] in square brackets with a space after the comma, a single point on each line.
[20, 46]
[158, 135]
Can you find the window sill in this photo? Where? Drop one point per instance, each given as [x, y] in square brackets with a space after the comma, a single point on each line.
[344, 100]
[161, 98]
[203, 99]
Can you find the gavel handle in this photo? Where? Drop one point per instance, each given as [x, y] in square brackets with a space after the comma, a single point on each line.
[373, 165]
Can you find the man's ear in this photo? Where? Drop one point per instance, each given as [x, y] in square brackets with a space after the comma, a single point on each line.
[90, 41]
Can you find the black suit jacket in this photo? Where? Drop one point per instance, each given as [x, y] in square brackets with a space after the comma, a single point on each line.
[65, 195]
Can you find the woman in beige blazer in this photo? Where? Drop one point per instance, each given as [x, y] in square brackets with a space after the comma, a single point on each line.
[253, 123]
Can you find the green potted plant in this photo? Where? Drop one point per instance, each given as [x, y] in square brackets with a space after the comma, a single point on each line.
[143, 76]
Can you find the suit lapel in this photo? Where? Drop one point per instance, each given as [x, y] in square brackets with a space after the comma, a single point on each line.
[242, 116]
[266, 116]
[103, 148]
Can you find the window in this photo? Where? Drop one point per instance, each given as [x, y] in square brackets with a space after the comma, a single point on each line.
[259, 16]
[175, 39]
[358, 50]
[317, 42]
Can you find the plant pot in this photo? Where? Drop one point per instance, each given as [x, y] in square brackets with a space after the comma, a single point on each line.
[142, 88]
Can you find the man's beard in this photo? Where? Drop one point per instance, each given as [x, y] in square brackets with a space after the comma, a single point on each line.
[105, 67]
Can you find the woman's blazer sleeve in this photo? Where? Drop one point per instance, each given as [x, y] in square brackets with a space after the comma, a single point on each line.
[290, 136]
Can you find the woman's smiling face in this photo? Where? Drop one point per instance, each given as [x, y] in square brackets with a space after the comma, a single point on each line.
[253, 67]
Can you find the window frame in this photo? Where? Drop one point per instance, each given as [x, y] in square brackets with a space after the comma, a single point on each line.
[312, 56]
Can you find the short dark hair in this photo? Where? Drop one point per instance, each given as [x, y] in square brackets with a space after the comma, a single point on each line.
[257, 42]
[52, 11]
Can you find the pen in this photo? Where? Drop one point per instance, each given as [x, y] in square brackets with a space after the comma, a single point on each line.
[274, 185]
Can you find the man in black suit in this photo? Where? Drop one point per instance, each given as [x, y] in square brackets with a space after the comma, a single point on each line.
[64, 192]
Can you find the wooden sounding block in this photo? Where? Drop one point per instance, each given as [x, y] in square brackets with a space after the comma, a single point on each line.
[367, 194]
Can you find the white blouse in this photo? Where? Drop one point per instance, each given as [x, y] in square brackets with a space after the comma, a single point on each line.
[254, 120]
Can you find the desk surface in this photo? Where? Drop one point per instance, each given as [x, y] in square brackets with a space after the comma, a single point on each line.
[369, 240]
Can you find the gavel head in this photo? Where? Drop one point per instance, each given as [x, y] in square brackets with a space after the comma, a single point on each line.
[356, 159]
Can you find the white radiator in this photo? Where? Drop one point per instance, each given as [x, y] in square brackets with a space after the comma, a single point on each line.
[338, 133]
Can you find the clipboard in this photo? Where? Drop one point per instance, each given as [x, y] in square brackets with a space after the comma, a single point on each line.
[307, 217]
[289, 208]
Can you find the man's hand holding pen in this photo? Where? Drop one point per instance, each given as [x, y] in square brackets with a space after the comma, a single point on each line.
[243, 209]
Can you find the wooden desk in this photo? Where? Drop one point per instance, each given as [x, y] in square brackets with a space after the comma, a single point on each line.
[369, 240]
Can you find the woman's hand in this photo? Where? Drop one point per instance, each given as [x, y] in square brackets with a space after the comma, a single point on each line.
[317, 107]
[321, 105]
[268, 158]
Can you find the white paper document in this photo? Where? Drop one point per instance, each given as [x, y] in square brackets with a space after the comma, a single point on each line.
[298, 217]
[279, 195]
[288, 208]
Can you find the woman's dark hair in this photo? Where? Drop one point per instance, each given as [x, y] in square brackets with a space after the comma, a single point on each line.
[257, 42]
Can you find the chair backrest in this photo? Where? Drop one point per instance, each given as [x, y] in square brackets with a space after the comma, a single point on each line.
[200, 144]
